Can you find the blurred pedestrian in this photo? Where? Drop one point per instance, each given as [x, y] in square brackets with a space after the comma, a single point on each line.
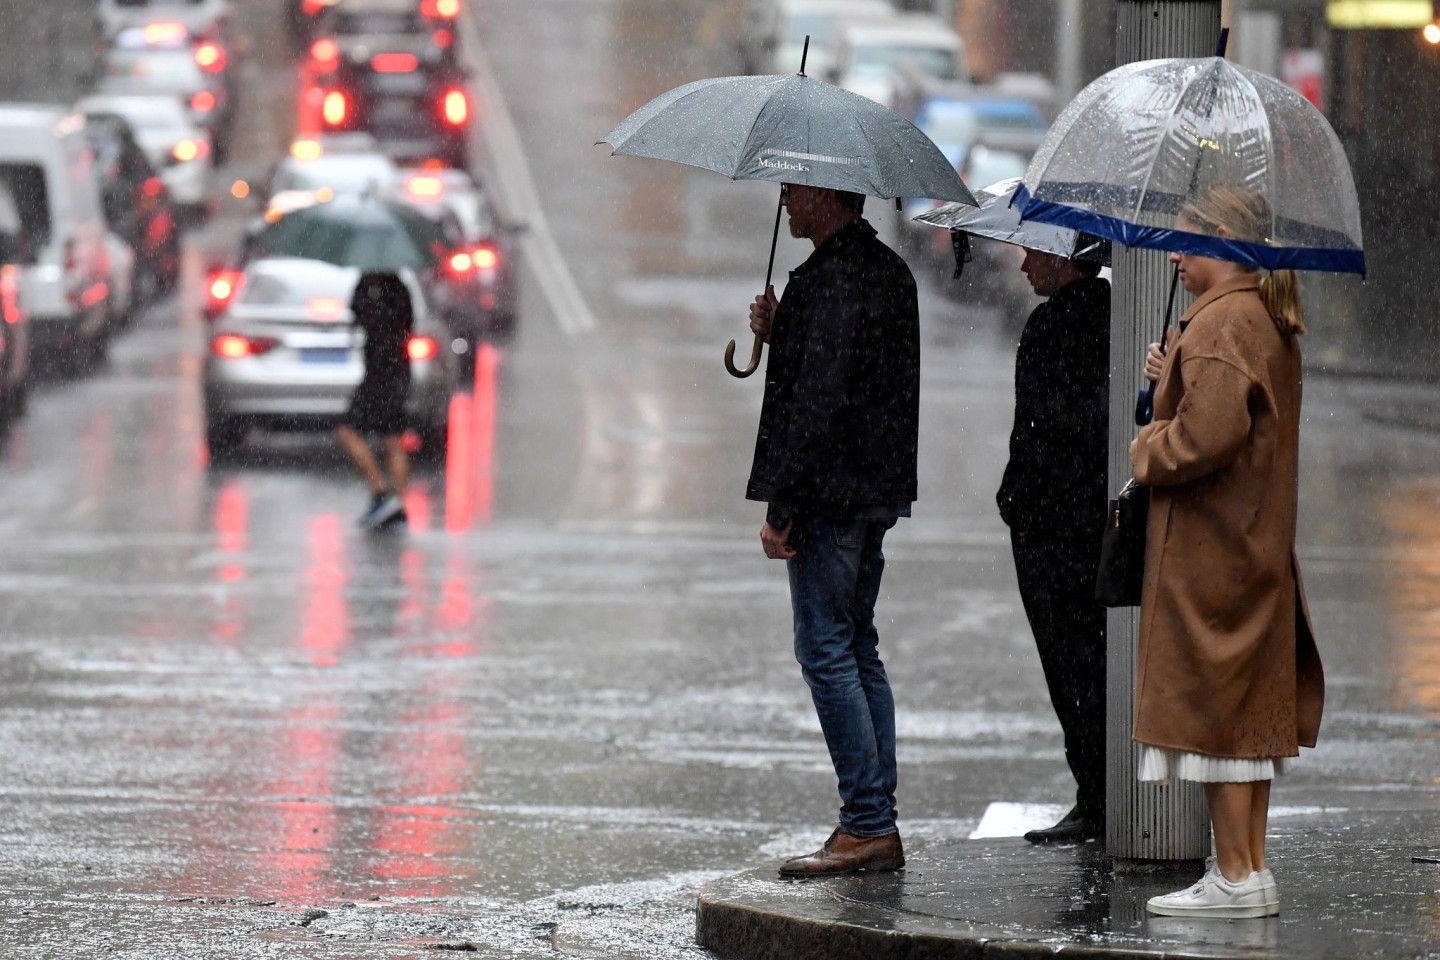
[383, 311]
[835, 460]
[1053, 500]
[1228, 682]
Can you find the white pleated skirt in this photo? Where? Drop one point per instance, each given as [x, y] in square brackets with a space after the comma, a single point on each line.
[1161, 765]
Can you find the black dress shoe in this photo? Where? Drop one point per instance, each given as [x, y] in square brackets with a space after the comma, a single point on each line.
[1074, 827]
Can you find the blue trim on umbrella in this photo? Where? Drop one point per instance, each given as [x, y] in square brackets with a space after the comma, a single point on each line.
[1333, 259]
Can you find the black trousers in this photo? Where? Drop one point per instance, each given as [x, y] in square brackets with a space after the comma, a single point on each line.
[1057, 588]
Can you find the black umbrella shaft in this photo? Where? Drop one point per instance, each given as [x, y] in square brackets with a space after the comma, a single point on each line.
[804, 54]
[775, 236]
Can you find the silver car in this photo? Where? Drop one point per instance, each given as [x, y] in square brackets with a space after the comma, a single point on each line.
[287, 355]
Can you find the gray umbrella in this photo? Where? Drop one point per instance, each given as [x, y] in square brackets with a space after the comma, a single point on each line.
[789, 129]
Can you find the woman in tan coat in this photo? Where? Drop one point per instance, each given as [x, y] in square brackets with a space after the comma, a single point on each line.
[1228, 682]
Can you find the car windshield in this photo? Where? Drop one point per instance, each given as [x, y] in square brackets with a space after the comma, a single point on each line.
[271, 289]
[152, 70]
[878, 58]
[376, 22]
[143, 113]
[367, 244]
[340, 174]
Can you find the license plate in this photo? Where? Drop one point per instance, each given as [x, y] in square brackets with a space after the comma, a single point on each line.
[324, 354]
[391, 84]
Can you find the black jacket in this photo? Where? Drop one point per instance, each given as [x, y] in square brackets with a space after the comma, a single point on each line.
[1055, 480]
[840, 420]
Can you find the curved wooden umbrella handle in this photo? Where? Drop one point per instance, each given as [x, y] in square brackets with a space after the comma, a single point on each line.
[754, 358]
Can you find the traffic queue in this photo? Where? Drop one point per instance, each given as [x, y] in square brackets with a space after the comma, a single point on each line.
[94, 198]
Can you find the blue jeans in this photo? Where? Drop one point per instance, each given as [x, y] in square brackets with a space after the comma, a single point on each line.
[834, 581]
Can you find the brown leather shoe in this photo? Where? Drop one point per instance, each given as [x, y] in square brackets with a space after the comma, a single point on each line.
[847, 853]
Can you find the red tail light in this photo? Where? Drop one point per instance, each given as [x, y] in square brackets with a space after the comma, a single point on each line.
[442, 38]
[394, 63]
[203, 101]
[455, 106]
[9, 294]
[440, 9]
[211, 57]
[326, 54]
[335, 108]
[233, 346]
[220, 289]
[485, 257]
[422, 348]
[460, 262]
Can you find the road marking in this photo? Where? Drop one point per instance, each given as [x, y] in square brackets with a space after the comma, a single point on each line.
[522, 199]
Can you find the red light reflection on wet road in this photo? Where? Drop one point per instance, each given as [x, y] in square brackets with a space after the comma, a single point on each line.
[325, 620]
[470, 456]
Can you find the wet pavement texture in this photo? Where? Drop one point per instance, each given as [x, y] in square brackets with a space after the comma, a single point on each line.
[544, 715]
[1350, 887]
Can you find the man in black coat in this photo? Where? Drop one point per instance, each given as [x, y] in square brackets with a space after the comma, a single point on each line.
[1053, 499]
[835, 460]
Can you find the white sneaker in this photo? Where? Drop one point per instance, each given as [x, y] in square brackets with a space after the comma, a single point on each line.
[1272, 893]
[1214, 896]
[1272, 890]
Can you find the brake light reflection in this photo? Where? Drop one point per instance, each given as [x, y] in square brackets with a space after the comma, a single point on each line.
[203, 101]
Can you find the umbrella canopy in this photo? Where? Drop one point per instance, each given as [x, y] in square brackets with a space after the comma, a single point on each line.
[1148, 137]
[998, 219]
[790, 129]
[353, 231]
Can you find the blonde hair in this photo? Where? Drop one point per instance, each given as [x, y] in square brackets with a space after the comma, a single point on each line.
[1245, 215]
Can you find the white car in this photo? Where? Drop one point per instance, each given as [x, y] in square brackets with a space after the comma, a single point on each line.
[66, 276]
[772, 38]
[177, 147]
[870, 54]
[285, 354]
[311, 168]
[200, 17]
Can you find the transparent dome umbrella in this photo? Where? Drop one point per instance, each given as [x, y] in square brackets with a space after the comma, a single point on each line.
[997, 218]
[788, 129]
[1144, 139]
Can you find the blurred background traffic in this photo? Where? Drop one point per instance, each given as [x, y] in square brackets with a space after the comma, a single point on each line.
[564, 697]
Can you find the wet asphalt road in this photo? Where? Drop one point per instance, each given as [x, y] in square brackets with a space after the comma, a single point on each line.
[233, 726]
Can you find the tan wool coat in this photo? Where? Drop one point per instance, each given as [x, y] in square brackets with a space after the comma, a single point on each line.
[1228, 665]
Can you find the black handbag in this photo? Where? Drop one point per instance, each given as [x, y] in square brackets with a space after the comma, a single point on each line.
[1122, 548]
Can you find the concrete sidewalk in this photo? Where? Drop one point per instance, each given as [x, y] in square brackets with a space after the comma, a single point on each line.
[1352, 884]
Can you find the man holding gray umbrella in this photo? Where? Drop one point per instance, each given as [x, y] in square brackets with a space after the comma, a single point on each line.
[835, 460]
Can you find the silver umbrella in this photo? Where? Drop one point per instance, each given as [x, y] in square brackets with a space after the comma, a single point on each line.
[789, 129]
[997, 218]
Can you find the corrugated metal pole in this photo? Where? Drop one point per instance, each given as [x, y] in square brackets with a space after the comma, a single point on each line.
[1144, 822]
